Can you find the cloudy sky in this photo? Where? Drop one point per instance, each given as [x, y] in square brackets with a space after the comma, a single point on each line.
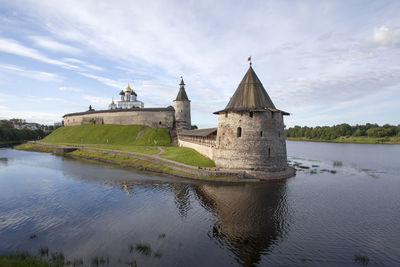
[325, 62]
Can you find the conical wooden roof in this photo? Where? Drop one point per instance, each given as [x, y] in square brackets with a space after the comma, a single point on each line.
[182, 93]
[250, 94]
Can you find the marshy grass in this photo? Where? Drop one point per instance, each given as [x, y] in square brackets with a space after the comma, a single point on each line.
[22, 259]
[162, 235]
[362, 259]
[131, 263]
[57, 259]
[97, 261]
[145, 249]
[77, 262]
[44, 251]
[337, 163]
[33, 236]
[303, 167]
[158, 254]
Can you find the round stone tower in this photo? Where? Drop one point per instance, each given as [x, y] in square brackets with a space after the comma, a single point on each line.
[250, 132]
[182, 109]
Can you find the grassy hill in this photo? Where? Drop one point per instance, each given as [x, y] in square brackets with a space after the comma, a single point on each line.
[110, 134]
[133, 138]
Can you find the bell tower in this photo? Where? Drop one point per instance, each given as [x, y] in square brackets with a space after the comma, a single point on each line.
[182, 109]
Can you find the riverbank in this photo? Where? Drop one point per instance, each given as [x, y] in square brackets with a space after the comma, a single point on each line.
[154, 163]
[395, 140]
[9, 143]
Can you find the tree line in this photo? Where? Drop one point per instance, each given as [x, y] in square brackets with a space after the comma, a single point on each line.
[344, 129]
[10, 134]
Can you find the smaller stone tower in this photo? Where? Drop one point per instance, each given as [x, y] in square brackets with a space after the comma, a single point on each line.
[182, 109]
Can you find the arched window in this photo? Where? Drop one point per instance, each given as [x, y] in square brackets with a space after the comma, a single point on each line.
[159, 123]
[269, 152]
[251, 114]
[239, 132]
[226, 114]
[261, 133]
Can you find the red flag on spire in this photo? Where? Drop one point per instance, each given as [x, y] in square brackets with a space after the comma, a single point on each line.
[249, 59]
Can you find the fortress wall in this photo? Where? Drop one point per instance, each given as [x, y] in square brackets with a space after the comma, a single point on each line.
[164, 119]
[202, 149]
[252, 150]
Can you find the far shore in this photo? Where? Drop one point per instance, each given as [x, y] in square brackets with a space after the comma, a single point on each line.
[352, 140]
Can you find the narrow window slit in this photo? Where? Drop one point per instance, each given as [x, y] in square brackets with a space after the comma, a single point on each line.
[239, 132]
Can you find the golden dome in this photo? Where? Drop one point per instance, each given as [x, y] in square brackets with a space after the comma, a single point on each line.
[128, 89]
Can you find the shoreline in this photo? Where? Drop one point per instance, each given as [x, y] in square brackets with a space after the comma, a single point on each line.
[344, 141]
[155, 164]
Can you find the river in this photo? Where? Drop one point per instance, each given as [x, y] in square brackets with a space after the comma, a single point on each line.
[343, 202]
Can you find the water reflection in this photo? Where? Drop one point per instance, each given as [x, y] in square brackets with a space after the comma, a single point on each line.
[182, 197]
[250, 217]
[3, 162]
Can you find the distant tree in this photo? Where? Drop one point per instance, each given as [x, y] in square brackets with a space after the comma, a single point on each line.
[344, 129]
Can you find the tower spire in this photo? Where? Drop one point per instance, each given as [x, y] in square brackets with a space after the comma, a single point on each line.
[182, 93]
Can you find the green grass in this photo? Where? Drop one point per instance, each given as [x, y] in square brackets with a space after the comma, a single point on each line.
[122, 160]
[129, 148]
[34, 147]
[352, 139]
[145, 249]
[187, 155]
[109, 134]
[362, 259]
[21, 259]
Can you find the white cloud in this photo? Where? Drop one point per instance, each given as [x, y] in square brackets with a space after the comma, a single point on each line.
[37, 99]
[318, 54]
[13, 47]
[71, 89]
[334, 89]
[32, 74]
[84, 63]
[103, 102]
[104, 80]
[53, 45]
[385, 36]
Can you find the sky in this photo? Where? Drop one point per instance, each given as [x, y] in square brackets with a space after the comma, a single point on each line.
[324, 62]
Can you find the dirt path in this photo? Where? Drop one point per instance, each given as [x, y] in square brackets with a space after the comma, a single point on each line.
[160, 152]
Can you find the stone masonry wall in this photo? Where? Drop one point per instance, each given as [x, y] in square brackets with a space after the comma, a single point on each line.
[163, 119]
[260, 147]
[182, 114]
[202, 149]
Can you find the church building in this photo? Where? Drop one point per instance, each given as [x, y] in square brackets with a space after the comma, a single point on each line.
[128, 100]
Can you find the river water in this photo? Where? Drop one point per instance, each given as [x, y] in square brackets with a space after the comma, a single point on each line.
[344, 201]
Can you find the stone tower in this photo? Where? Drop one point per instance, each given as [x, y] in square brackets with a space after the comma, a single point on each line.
[250, 132]
[182, 109]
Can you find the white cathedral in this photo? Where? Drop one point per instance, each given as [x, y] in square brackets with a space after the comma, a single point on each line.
[128, 100]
